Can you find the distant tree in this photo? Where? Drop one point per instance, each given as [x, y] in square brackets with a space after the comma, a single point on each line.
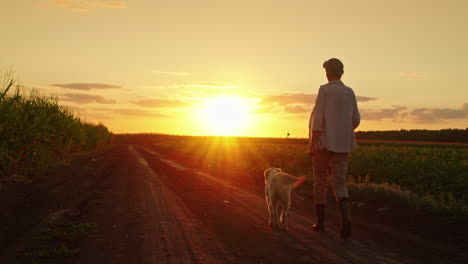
[443, 135]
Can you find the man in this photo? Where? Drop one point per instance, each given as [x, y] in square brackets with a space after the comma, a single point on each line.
[331, 139]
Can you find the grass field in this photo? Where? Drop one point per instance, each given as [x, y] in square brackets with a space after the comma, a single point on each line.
[424, 175]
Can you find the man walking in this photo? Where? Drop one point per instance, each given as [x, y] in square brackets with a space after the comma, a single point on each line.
[331, 139]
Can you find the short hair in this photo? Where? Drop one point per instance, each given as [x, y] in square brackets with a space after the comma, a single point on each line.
[334, 66]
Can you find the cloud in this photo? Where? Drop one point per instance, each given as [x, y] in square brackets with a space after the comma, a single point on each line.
[127, 112]
[395, 113]
[365, 99]
[87, 99]
[292, 103]
[156, 103]
[113, 4]
[86, 86]
[301, 98]
[113, 113]
[284, 112]
[68, 4]
[172, 73]
[207, 85]
[418, 115]
[297, 108]
[435, 115]
[267, 109]
[138, 112]
[284, 99]
[413, 74]
[88, 5]
[289, 103]
[85, 112]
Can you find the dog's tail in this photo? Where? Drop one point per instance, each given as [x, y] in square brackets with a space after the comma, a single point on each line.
[293, 180]
[296, 182]
[265, 175]
[297, 196]
[300, 180]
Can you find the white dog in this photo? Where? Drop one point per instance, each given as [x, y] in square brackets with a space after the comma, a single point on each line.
[278, 187]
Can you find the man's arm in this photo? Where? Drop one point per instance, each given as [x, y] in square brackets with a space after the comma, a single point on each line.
[356, 115]
[318, 117]
[316, 122]
[313, 142]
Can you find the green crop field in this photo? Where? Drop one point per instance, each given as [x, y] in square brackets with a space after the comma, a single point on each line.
[36, 131]
[437, 170]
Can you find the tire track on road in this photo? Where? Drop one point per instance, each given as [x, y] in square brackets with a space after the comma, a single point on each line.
[172, 233]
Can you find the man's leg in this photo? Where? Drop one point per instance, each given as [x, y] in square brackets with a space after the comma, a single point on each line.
[321, 162]
[339, 170]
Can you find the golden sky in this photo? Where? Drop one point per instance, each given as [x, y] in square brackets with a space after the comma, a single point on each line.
[176, 66]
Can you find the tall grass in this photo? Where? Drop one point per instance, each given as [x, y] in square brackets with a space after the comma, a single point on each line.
[35, 132]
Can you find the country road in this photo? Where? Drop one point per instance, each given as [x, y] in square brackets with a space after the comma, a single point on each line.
[151, 209]
[191, 217]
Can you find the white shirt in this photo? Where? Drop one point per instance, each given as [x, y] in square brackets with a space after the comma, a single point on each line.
[336, 115]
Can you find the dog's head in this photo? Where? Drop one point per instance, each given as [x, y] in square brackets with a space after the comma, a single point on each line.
[270, 171]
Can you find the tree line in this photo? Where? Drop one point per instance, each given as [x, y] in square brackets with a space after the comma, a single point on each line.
[443, 135]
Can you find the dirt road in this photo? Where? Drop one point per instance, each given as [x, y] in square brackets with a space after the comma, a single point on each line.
[151, 209]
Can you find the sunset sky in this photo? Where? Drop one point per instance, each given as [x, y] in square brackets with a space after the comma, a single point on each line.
[176, 66]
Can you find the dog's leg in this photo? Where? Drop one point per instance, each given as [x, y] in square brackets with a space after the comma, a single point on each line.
[279, 213]
[283, 211]
[271, 211]
[285, 218]
[286, 203]
[276, 217]
[270, 207]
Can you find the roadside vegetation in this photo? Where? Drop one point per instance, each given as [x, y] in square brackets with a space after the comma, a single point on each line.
[430, 176]
[36, 132]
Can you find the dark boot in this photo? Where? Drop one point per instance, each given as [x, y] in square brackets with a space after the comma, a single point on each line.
[346, 226]
[320, 212]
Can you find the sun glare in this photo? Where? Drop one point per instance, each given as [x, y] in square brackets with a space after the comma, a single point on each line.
[224, 116]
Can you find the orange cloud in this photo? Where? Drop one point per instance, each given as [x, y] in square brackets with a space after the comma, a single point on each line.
[285, 99]
[418, 115]
[300, 98]
[86, 99]
[157, 103]
[86, 86]
[395, 113]
[207, 85]
[296, 109]
[293, 103]
[88, 5]
[436, 115]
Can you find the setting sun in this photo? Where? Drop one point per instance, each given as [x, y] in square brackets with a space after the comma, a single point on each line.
[224, 115]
